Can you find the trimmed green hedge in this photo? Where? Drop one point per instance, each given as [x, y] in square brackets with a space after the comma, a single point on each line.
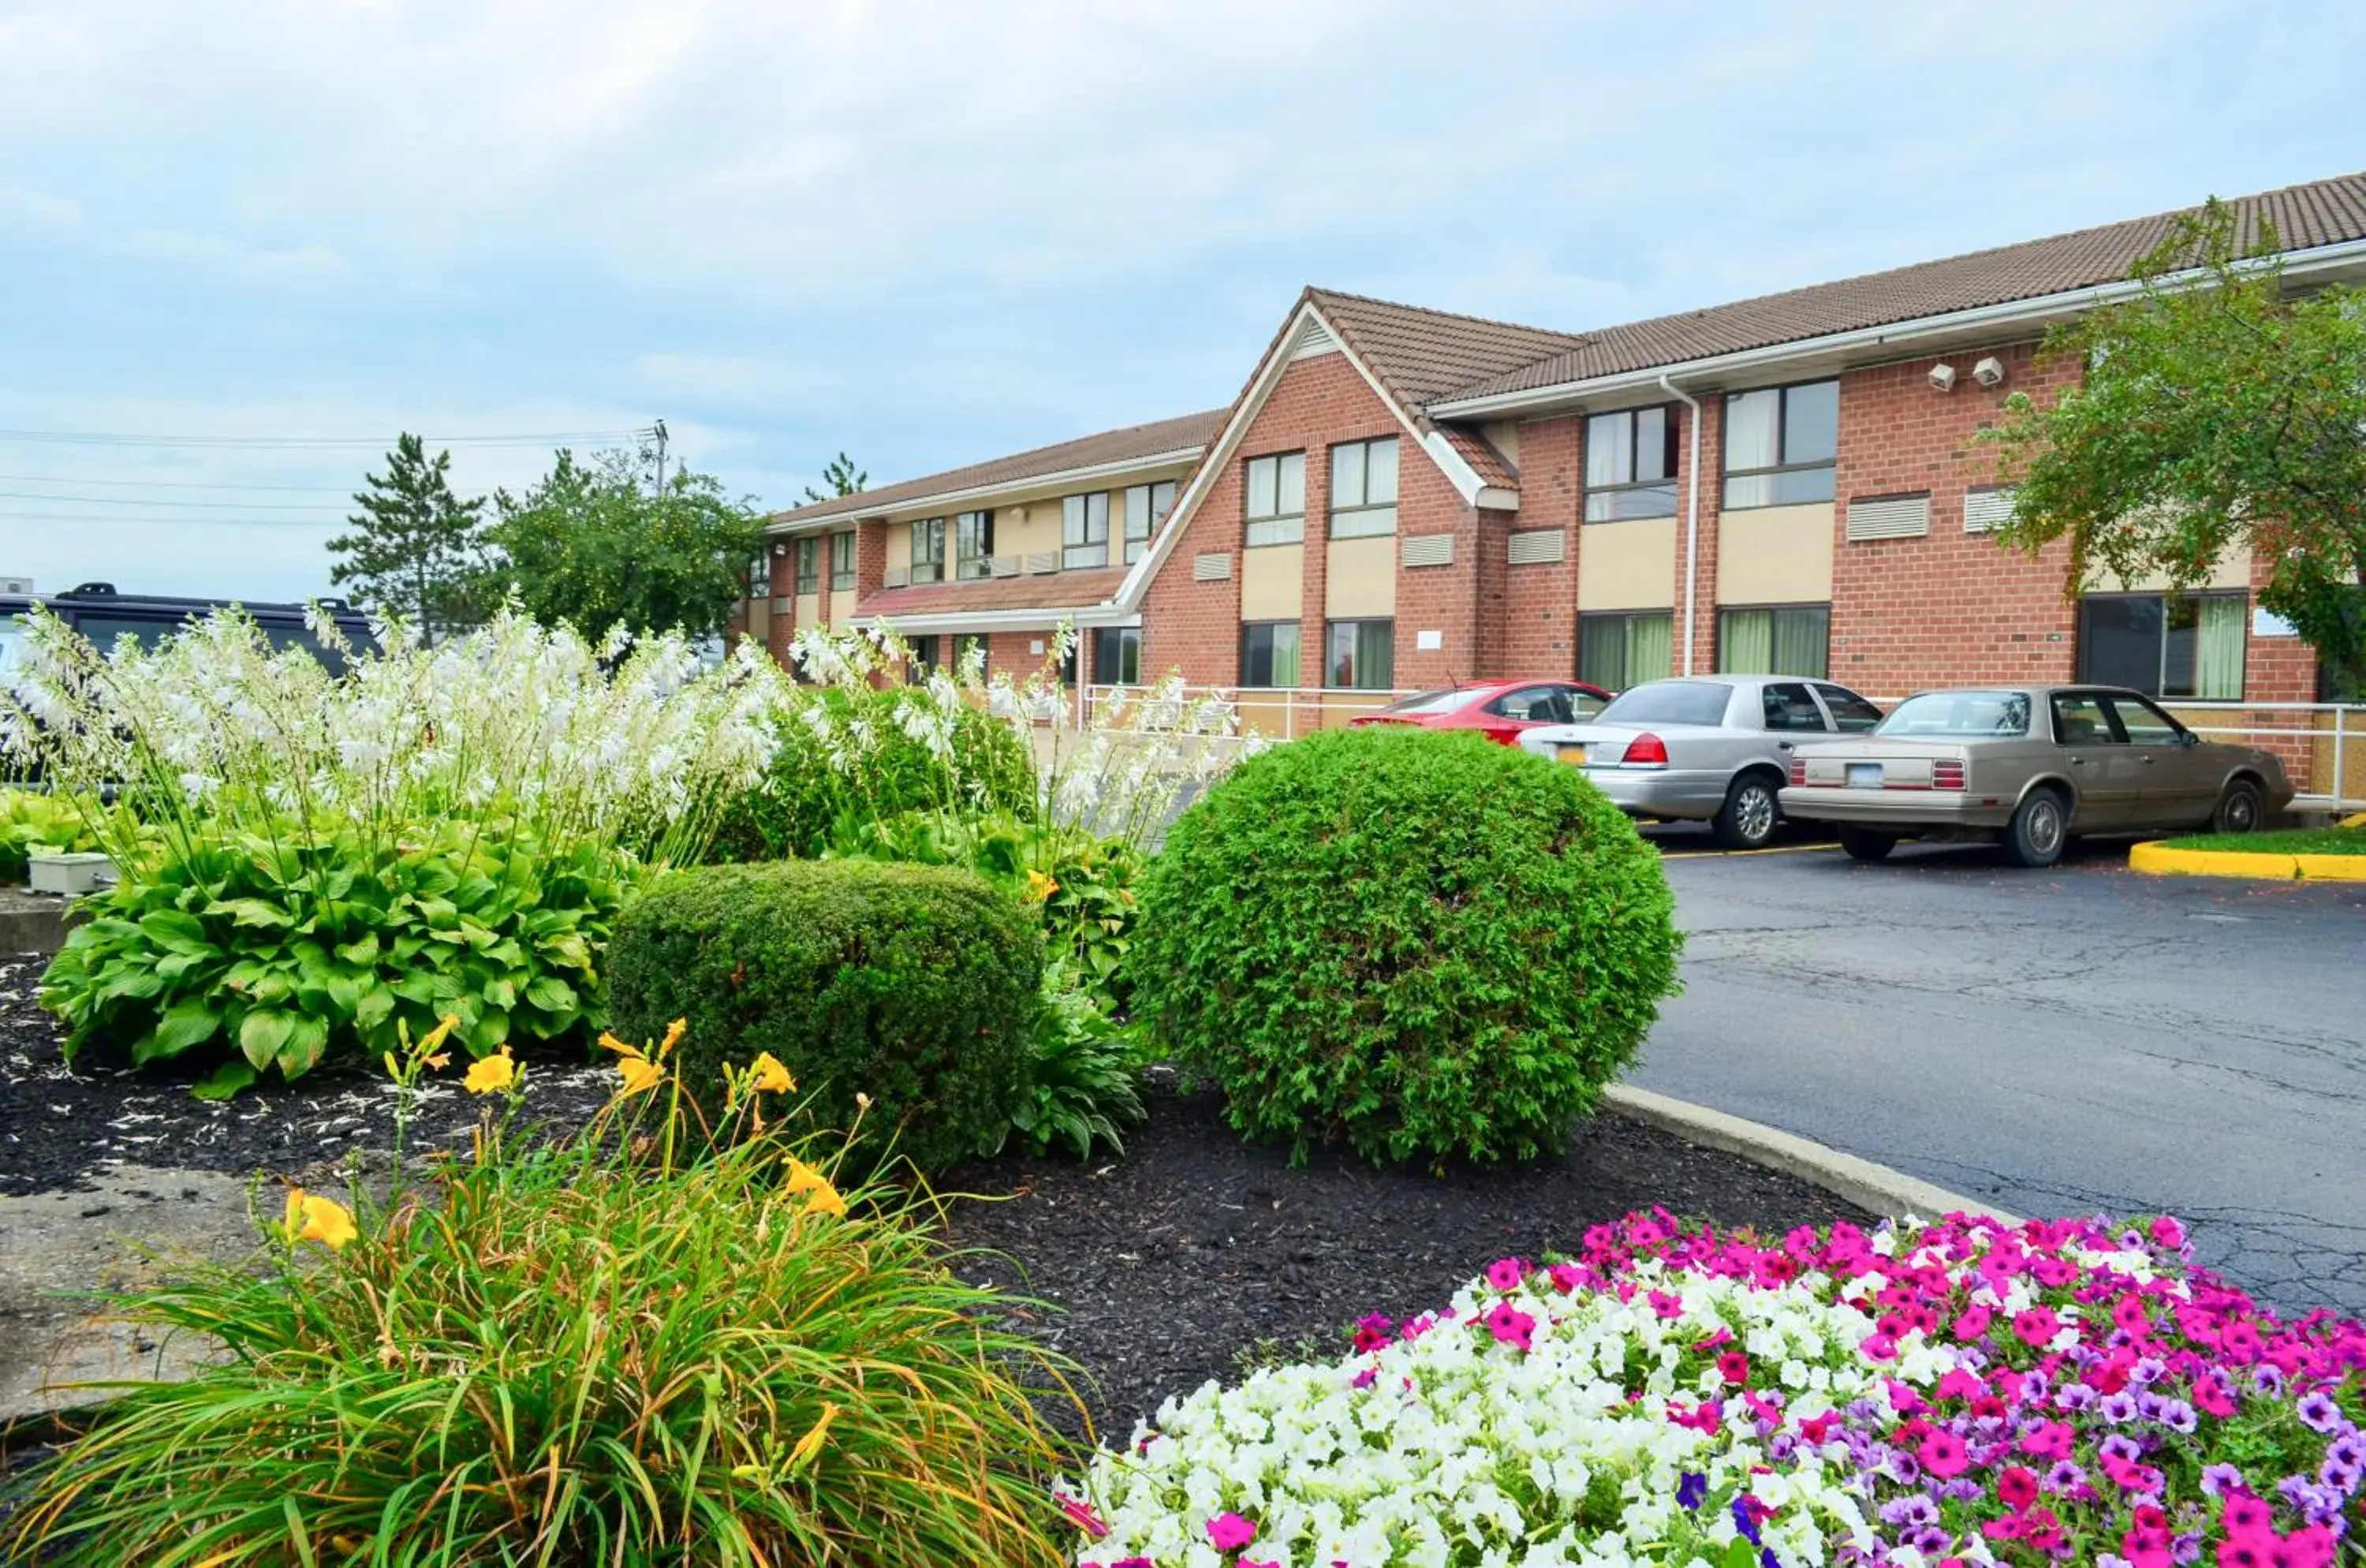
[914, 985]
[1420, 943]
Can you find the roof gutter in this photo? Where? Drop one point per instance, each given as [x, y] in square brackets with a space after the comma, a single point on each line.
[860, 506]
[2017, 313]
[1692, 512]
[1002, 620]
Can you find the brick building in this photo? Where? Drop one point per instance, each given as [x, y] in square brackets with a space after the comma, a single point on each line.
[1402, 498]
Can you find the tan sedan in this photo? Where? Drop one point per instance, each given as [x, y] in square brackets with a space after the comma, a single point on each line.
[2030, 766]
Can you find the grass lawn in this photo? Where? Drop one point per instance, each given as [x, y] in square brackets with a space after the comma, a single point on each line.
[2294, 842]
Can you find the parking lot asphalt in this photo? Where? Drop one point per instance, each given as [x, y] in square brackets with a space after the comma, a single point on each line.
[2057, 1041]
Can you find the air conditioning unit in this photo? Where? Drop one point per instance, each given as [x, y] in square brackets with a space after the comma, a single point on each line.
[16, 585]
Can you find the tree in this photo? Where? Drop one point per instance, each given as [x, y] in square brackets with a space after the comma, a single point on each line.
[590, 545]
[841, 478]
[416, 550]
[2219, 411]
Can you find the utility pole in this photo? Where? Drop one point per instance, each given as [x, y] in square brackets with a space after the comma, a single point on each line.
[660, 433]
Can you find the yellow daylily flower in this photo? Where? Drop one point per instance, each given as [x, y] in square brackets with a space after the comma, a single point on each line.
[803, 1178]
[810, 1444]
[826, 1200]
[673, 1034]
[491, 1075]
[610, 1043]
[639, 1073]
[324, 1220]
[766, 1076]
[1040, 887]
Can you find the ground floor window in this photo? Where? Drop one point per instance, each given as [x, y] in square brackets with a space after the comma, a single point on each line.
[1615, 651]
[1775, 639]
[1362, 654]
[2185, 646]
[1117, 655]
[1270, 653]
[965, 645]
[926, 652]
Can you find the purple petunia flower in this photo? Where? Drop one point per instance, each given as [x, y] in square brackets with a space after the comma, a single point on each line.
[2118, 1408]
[2149, 1369]
[2218, 1480]
[2120, 1445]
[2075, 1396]
[2185, 1547]
[2178, 1416]
[1692, 1490]
[2066, 1476]
[2347, 1450]
[1911, 1512]
[2268, 1378]
[2319, 1412]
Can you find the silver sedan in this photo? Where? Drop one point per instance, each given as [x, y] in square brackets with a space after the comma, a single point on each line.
[1712, 749]
[2030, 766]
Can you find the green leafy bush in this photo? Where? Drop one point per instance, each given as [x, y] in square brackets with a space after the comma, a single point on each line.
[1423, 944]
[1084, 1075]
[916, 986]
[575, 1359]
[31, 820]
[275, 952]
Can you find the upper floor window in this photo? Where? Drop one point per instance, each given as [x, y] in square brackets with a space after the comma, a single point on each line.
[2186, 646]
[1779, 445]
[929, 550]
[1276, 494]
[972, 544]
[1146, 507]
[809, 564]
[1084, 530]
[1631, 465]
[760, 574]
[841, 560]
[1363, 488]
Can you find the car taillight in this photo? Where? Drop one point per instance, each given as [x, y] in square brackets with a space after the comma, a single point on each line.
[1947, 774]
[1798, 772]
[1647, 748]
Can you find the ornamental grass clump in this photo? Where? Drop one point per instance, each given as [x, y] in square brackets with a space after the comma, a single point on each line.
[603, 1354]
[1418, 944]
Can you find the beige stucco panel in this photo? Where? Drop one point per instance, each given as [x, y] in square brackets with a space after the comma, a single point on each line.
[1273, 582]
[1031, 529]
[1503, 435]
[841, 606]
[1626, 565]
[1360, 579]
[899, 545]
[1775, 554]
[2233, 570]
[808, 609]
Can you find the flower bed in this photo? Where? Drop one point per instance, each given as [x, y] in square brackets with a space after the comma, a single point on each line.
[1952, 1393]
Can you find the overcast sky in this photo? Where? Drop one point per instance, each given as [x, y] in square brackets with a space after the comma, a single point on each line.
[930, 233]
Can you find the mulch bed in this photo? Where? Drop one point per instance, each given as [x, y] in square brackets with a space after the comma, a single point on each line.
[1157, 1270]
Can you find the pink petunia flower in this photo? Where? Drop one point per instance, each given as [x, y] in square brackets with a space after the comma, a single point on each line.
[1081, 1515]
[2036, 1328]
[1510, 1325]
[1505, 1274]
[1230, 1532]
[1944, 1455]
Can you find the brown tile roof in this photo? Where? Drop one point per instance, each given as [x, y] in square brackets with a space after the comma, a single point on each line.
[1052, 591]
[1185, 433]
[2322, 213]
[1421, 355]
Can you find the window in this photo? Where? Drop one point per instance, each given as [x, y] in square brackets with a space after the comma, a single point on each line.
[1276, 489]
[926, 652]
[1779, 443]
[2189, 645]
[1117, 655]
[808, 565]
[972, 544]
[841, 560]
[1959, 715]
[1787, 706]
[1852, 714]
[1146, 507]
[760, 574]
[1364, 489]
[1361, 654]
[1545, 705]
[1671, 702]
[1631, 465]
[1270, 653]
[929, 550]
[970, 645]
[2144, 723]
[2083, 721]
[1084, 530]
[1618, 651]
[1782, 639]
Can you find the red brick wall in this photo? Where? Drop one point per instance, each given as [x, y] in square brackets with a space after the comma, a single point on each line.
[1951, 608]
[1711, 517]
[1532, 610]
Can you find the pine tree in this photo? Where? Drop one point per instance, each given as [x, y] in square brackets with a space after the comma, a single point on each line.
[417, 550]
[841, 478]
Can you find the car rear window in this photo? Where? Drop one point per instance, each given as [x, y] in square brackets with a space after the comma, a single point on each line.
[1429, 702]
[1669, 702]
[1960, 716]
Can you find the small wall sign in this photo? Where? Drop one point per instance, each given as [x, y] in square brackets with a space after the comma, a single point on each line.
[1428, 641]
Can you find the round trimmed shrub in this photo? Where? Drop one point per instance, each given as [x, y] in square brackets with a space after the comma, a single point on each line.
[913, 985]
[1420, 943]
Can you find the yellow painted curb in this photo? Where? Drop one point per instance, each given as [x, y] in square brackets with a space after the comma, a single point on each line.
[2160, 860]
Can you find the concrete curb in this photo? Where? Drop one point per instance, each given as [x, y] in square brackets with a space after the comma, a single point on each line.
[2160, 860]
[1860, 1181]
[30, 923]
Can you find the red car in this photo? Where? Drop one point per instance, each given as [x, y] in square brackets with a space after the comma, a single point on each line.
[1497, 709]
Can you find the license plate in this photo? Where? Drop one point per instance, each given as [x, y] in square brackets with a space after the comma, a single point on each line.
[1865, 775]
[1574, 755]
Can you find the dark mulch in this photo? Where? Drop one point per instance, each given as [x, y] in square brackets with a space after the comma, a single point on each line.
[1196, 1247]
[60, 1125]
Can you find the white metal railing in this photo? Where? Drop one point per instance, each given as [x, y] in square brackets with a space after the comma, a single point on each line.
[1273, 713]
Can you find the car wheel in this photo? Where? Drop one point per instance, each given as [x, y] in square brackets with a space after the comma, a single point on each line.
[1865, 844]
[1748, 819]
[2240, 810]
[2039, 831]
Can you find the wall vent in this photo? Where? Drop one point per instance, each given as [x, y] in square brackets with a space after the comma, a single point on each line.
[1041, 561]
[1539, 546]
[1428, 549]
[1313, 341]
[897, 577]
[1984, 509]
[1890, 517]
[1211, 566]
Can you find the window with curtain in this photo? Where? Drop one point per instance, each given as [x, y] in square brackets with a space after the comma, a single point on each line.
[2187, 646]
[926, 652]
[760, 574]
[1274, 495]
[841, 560]
[1779, 640]
[1146, 507]
[1117, 655]
[1270, 653]
[972, 544]
[808, 565]
[1084, 530]
[1361, 655]
[1631, 465]
[1780, 442]
[929, 550]
[1615, 651]
[1364, 489]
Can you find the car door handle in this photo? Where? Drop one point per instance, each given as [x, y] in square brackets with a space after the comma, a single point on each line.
[2077, 761]
[2149, 759]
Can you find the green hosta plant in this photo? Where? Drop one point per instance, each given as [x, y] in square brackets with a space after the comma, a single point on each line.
[31, 820]
[1084, 1077]
[272, 953]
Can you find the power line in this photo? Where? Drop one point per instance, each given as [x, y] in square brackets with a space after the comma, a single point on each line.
[87, 517]
[95, 438]
[167, 484]
[142, 501]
